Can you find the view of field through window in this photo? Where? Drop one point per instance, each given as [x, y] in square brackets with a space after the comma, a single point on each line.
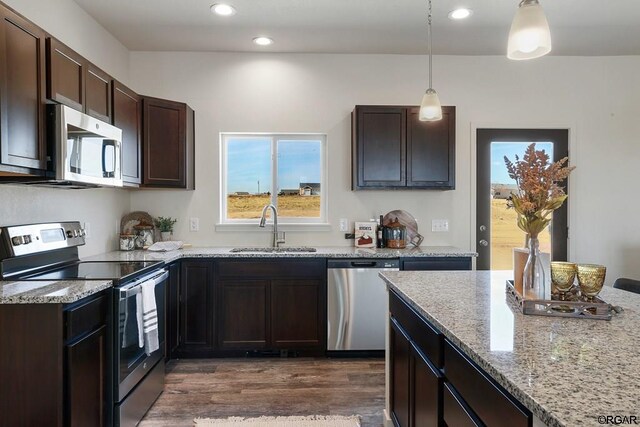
[505, 234]
[257, 164]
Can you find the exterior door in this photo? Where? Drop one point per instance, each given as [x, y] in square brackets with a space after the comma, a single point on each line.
[496, 230]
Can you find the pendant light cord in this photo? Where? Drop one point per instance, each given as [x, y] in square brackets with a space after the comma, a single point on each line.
[430, 52]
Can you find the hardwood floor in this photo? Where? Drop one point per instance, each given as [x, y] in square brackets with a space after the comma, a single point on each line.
[220, 388]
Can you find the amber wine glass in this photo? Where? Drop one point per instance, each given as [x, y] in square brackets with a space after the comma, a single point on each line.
[563, 274]
[591, 279]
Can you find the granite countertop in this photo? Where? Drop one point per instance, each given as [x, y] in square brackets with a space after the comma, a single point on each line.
[566, 371]
[41, 292]
[322, 252]
[49, 292]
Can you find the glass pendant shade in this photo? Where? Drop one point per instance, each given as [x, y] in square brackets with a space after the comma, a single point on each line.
[430, 108]
[529, 36]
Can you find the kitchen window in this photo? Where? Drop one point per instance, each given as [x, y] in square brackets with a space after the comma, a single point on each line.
[286, 170]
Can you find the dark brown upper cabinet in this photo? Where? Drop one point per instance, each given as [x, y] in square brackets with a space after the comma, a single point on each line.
[65, 75]
[168, 144]
[392, 149]
[97, 93]
[76, 82]
[127, 115]
[22, 96]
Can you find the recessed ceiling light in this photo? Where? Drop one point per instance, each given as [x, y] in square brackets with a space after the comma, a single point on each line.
[461, 13]
[263, 41]
[223, 9]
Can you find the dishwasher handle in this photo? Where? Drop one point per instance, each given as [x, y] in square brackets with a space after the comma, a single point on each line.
[388, 263]
[363, 263]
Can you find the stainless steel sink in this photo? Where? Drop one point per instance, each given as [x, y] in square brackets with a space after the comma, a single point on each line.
[273, 250]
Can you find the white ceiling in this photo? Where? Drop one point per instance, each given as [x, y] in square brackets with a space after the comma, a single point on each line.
[578, 27]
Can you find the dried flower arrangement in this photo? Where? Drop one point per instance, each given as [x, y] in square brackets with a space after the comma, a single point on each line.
[539, 192]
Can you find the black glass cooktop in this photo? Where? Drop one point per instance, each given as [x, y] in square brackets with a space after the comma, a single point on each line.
[105, 270]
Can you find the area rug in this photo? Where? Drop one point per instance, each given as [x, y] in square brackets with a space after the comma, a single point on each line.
[310, 421]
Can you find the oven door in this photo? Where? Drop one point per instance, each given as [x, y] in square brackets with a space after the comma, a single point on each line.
[131, 360]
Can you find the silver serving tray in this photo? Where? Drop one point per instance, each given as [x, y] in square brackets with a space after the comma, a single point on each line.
[575, 306]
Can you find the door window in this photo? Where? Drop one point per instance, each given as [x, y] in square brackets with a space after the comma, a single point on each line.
[497, 233]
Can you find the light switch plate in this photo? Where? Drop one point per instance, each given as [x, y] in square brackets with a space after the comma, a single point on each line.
[344, 224]
[194, 224]
[439, 225]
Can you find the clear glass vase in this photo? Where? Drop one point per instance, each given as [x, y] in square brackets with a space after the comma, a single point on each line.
[534, 283]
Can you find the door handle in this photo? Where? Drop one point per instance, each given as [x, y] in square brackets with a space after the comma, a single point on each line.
[483, 243]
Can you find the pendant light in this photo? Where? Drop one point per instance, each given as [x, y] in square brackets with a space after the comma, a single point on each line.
[430, 108]
[529, 36]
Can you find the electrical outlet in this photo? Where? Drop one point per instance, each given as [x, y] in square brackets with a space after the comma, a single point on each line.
[194, 224]
[344, 224]
[87, 229]
[439, 225]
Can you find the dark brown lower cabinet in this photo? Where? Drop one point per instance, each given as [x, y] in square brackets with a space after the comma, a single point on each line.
[490, 402]
[426, 391]
[416, 385]
[243, 314]
[196, 308]
[436, 263]
[86, 368]
[232, 306]
[172, 311]
[400, 346]
[297, 315]
[455, 411]
[455, 392]
[55, 363]
[271, 305]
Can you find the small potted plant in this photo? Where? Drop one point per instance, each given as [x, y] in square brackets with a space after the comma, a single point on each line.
[165, 225]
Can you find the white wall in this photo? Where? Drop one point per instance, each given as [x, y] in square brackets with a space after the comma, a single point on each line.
[66, 21]
[595, 97]
[101, 208]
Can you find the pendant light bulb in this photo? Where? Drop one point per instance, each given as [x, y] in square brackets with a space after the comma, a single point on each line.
[430, 108]
[529, 36]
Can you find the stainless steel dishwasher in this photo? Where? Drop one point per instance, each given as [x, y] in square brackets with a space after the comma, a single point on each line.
[357, 304]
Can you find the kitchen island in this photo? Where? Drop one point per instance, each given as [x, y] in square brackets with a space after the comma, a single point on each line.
[565, 371]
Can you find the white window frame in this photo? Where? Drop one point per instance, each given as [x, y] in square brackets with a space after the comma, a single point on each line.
[288, 223]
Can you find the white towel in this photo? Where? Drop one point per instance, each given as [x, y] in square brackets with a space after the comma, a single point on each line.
[150, 317]
[165, 246]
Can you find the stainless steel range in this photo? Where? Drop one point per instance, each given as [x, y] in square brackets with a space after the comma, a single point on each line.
[50, 252]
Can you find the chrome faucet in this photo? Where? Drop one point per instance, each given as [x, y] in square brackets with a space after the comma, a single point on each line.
[278, 237]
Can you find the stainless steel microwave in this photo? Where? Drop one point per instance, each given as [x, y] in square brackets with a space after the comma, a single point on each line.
[86, 150]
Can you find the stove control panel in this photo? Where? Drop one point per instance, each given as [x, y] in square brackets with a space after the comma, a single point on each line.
[34, 238]
[22, 240]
